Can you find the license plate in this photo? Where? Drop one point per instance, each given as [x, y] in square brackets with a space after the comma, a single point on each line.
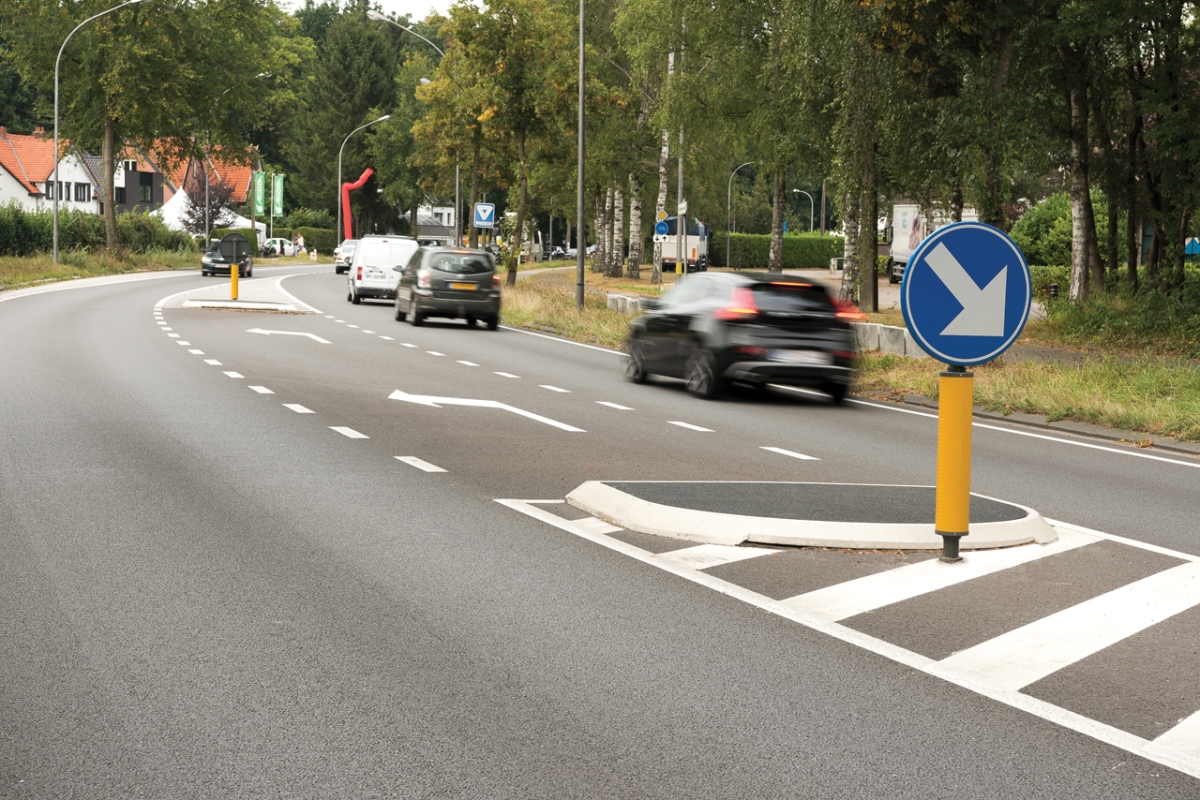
[468, 287]
[801, 357]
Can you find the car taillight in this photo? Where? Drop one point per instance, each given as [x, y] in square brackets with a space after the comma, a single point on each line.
[495, 281]
[848, 311]
[359, 278]
[741, 306]
[424, 279]
[750, 351]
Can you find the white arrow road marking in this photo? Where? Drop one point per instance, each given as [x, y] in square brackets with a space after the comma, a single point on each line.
[983, 309]
[438, 402]
[312, 336]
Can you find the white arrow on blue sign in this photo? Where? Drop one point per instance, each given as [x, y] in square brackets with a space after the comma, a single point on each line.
[485, 215]
[661, 228]
[966, 293]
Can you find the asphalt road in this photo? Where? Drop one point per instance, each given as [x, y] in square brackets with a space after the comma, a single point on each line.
[208, 590]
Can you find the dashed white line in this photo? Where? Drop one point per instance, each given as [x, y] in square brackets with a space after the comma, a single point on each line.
[341, 321]
[329, 316]
[172, 335]
[406, 344]
[689, 426]
[212, 361]
[196, 352]
[413, 461]
[468, 363]
[553, 388]
[235, 374]
[387, 338]
[182, 343]
[783, 452]
[506, 375]
[351, 326]
[617, 406]
[434, 353]
[370, 332]
[299, 409]
[348, 432]
[261, 390]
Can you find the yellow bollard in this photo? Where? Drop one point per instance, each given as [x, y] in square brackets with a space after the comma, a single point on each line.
[953, 505]
[233, 279]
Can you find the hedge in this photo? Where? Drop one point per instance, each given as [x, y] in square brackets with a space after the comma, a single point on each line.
[321, 239]
[250, 233]
[25, 233]
[800, 251]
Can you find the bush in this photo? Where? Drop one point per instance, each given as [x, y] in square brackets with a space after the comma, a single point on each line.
[1044, 233]
[1044, 276]
[25, 233]
[321, 239]
[753, 250]
[250, 233]
[308, 218]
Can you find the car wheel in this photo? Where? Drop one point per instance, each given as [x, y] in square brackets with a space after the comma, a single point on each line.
[471, 322]
[354, 298]
[836, 392]
[400, 315]
[250, 273]
[701, 377]
[892, 277]
[635, 365]
[415, 316]
[493, 323]
[204, 273]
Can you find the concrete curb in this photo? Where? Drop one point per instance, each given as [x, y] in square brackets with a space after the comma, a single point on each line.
[708, 527]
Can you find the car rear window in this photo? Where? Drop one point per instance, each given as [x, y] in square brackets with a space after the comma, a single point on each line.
[384, 252]
[791, 296]
[461, 263]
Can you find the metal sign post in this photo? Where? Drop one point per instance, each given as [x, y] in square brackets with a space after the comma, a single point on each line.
[966, 297]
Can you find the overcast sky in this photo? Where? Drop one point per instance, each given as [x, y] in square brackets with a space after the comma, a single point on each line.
[418, 9]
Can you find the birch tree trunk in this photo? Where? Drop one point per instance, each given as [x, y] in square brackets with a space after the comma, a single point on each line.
[478, 145]
[660, 205]
[616, 259]
[634, 268]
[520, 234]
[1085, 256]
[850, 262]
[602, 263]
[598, 258]
[868, 234]
[775, 262]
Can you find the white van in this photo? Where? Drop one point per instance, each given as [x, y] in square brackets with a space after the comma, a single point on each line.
[372, 271]
[909, 229]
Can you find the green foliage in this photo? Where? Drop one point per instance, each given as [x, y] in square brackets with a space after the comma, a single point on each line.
[308, 218]
[321, 239]
[1044, 276]
[250, 233]
[1039, 233]
[753, 250]
[1150, 322]
[25, 233]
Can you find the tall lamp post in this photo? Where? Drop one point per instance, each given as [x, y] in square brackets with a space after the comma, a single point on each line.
[729, 210]
[580, 231]
[377, 17]
[811, 207]
[207, 226]
[57, 61]
[340, 151]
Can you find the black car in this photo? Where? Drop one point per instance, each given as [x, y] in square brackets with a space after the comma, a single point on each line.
[757, 328]
[214, 262]
[449, 282]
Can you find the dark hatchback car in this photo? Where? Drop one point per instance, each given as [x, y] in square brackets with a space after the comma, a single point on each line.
[756, 328]
[217, 259]
[449, 282]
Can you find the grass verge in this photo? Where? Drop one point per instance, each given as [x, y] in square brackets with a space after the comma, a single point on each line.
[1158, 397]
[18, 271]
[547, 306]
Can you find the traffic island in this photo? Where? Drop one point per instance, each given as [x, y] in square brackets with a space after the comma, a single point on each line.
[851, 516]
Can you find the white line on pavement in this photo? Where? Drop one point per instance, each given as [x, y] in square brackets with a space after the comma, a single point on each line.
[351, 326]
[196, 352]
[172, 335]
[689, 426]
[565, 341]
[553, 388]
[1184, 737]
[348, 432]
[704, 556]
[370, 332]
[261, 390]
[299, 409]
[182, 343]
[783, 452]
[235, 374]
[434, 353]
[617, 406]
[387, 338]
[341, 321]
[406, 344]
[506, 375]
[212, 361]
[468, 363]
[413, 461]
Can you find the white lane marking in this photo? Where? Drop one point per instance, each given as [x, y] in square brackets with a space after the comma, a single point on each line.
[196, 352]
[348, 432]
[438, 402]
[163, 325]
[1099, 731]
[342, 321]
[295, 300]
[212, 361]
[1184, 737]
[1166, 551]
[182, 343]
[870, 592]
[235, 374]
[783, 452]
[617, 406]
[506, 375]
[468, 363]
[406, 344]
[434, 353]
[689, 426]
[1030, 653]
[704, 556]
[413, 461]
[299, 409]
[312, 336]
[597, 525]
[565, 341]
[173, 335]
[370, 332]
[387, 338]
[351, 326]
[261, 390]
[553, 388]
[329, 316]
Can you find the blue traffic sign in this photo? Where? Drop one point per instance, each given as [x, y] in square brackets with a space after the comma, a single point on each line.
[966, 293]
[485, 215]
[661, 228]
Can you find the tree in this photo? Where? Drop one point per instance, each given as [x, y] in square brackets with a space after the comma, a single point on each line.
[219, 198]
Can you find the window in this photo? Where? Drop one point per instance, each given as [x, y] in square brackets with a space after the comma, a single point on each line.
[83, 192]
[120, 193]
[49, 190]
[146, 187]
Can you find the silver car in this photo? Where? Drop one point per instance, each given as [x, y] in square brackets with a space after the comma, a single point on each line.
[342, 255]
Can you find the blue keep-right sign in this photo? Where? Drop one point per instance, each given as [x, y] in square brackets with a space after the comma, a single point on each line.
[966, 293]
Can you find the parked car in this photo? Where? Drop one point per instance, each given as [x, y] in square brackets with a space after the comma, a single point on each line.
[372, 271]
[755, 328]
[213, 262]
[278, 247]
[342, 255]
[572, 252]
[449, 282]
[557, 252]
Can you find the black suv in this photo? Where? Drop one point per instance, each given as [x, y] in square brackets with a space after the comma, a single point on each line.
[757, 328]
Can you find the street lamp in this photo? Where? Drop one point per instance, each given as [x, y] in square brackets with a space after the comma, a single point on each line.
[57, 61]
[377, 17]
[729, 209]
[811, 207]
[340, 150]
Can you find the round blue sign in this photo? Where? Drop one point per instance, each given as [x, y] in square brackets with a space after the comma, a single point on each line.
[966, 293]
[661, 228]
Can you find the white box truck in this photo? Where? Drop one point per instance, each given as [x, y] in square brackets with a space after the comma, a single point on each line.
[696, 243]
[909, 229]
